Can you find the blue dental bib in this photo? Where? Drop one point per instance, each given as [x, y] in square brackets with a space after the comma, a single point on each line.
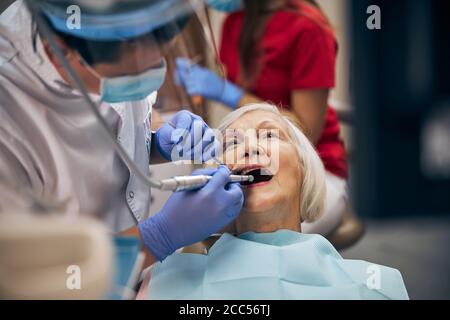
[279, 265]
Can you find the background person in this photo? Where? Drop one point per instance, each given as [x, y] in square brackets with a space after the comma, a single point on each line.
[282, 51]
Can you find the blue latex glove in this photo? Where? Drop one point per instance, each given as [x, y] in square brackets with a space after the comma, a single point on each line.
[192, 216]
[187, 137]
[201, 81]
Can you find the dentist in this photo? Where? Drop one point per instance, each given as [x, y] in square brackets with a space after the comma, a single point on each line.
[51, 144]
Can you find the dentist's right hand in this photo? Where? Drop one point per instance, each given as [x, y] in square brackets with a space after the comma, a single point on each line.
[192, 216]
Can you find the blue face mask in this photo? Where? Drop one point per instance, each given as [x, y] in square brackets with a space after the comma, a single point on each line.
[132, 88]
[226, 5]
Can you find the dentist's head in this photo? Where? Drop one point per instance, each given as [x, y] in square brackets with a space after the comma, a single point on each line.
[117, 53]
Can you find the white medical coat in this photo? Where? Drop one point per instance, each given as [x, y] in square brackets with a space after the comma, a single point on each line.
[53, 146]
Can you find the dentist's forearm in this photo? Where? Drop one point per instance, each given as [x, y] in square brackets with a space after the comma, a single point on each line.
[149, 257]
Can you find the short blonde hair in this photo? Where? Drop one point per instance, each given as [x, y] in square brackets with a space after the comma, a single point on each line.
[313, 188]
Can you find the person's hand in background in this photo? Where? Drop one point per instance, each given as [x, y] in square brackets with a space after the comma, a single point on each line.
[199, 81]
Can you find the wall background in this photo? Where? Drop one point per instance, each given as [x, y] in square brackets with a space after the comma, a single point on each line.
[336, 11]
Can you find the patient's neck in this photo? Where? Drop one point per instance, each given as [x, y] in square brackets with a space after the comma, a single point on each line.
[285, 216]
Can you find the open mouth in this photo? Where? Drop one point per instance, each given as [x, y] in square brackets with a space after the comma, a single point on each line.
[259, 175]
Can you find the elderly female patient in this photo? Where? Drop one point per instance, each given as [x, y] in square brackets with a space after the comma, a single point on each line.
[266, 256]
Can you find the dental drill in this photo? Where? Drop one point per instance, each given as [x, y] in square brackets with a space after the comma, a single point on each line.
[185, 183]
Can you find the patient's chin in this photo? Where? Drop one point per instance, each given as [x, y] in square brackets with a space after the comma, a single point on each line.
[262, 199]
[259, 203]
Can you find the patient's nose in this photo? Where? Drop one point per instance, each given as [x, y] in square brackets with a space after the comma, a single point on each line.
[251, 152]
[254, 149]
[251, 144]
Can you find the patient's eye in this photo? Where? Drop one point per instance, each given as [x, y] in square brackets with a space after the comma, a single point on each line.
[231, 143]
[269, 134]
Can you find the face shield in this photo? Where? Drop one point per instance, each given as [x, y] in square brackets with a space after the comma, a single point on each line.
[126, 50]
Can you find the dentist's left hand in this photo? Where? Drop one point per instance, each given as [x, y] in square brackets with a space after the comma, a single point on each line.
[187, 137]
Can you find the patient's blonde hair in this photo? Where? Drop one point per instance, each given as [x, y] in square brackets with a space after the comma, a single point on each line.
[313, 188]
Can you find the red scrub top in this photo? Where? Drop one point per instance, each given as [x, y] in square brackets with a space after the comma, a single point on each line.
[299, 52]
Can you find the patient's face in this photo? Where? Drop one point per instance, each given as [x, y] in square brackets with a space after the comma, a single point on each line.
[260, 140]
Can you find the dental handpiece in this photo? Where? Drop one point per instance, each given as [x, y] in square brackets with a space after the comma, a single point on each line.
[185, 183]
